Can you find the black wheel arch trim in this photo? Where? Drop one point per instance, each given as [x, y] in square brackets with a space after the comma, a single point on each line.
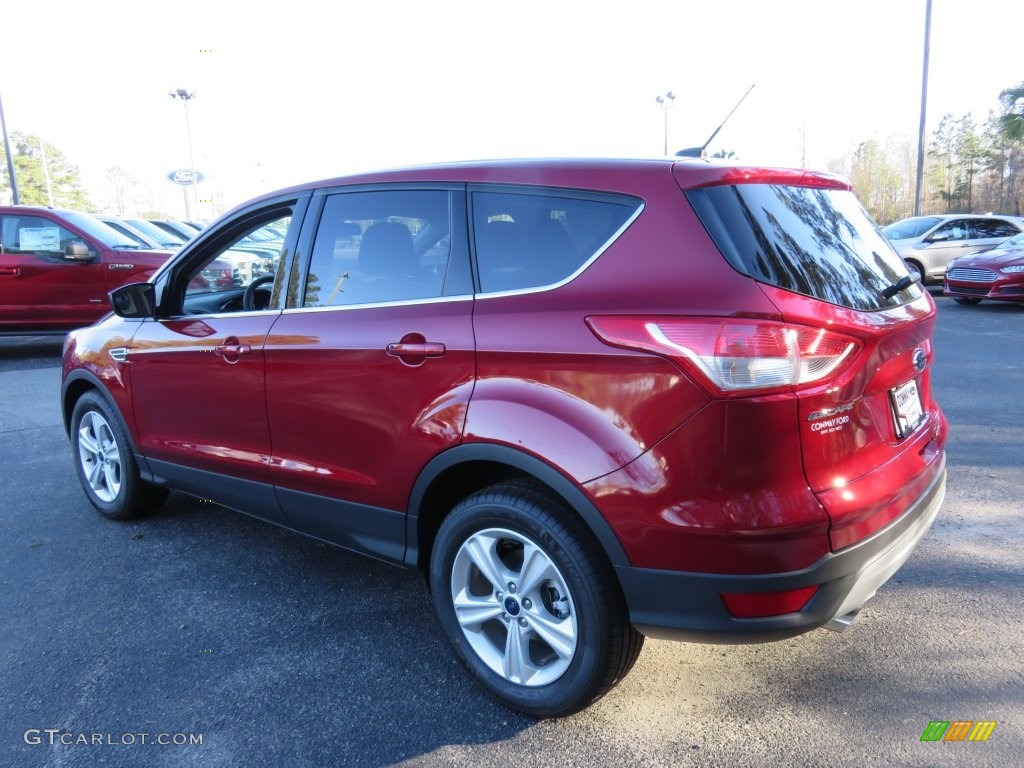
[67, 408]
[524, 462]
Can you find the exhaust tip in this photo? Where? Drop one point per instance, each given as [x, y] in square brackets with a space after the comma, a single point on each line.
[839, 623]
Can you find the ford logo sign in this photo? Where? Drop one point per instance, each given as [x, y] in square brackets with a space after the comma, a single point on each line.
[920, 360]
[186, 176]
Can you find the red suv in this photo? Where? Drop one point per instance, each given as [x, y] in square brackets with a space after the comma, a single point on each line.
[57, 266]
[591, 400]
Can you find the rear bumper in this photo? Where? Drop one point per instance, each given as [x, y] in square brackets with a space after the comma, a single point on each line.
[687, 606]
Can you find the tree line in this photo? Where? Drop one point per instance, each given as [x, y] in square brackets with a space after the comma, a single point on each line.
[969, 167]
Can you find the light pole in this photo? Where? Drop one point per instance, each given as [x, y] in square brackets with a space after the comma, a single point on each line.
[924, 107]
[186, 97]
[666, 102]
[10, 159]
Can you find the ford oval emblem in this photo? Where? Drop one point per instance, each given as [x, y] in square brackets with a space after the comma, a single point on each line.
[920, 360]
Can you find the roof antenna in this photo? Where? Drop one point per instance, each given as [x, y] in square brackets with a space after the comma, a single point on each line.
[699, 151]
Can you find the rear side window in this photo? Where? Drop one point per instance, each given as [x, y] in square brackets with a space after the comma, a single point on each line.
[993, 228]
[528, 239]
[817, 242]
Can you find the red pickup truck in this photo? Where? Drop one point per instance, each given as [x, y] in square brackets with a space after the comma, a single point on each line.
[57, 267]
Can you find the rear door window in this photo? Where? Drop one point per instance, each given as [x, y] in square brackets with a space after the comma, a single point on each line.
[817, 242]
[527, 239]
[384, 246]
[993, 228]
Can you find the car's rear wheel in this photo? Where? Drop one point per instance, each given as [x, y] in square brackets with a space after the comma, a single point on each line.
[966, 300]
[529, 601]
[105, 463]
[916, 269]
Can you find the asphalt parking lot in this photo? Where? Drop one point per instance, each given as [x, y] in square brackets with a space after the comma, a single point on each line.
[276, 650]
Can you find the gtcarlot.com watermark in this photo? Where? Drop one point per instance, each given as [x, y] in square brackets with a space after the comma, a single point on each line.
[52, 737]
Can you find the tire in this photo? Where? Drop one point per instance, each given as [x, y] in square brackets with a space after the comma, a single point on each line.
[966, 300]
[541, 623]
[105, 463]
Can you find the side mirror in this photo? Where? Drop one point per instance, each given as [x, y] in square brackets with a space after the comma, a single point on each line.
[134, 301]
[78, 252]
[938, 237]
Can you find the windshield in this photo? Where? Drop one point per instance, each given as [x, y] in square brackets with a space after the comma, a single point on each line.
[817, 242]
[1015, 242]
[97, 230]
[908, 228]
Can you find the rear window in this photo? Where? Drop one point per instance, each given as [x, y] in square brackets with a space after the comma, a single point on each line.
[817, 242]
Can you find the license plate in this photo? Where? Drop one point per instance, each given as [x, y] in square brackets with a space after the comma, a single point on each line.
[906, 408]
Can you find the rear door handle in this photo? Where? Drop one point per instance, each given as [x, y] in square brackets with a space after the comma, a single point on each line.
[10, 271]
[426, 349]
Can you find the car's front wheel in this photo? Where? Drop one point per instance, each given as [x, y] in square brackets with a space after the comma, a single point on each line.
[529, 601]
[105, 464]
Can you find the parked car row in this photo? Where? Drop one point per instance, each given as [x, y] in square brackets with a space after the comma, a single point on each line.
[928, 243]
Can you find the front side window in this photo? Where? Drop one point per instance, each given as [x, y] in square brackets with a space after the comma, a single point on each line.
[380, 246]
[958, 229]
[529, 239]
[37, 236]
[234, 274]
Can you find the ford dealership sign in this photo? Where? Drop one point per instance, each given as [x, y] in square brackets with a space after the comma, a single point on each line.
[186, 176]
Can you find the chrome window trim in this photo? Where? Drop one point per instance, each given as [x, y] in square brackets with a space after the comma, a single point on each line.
[220, 315]
[380, 304]
[579, 271]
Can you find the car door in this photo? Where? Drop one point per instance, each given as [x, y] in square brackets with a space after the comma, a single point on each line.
[369, 373]
[39, 288]
[197, 372]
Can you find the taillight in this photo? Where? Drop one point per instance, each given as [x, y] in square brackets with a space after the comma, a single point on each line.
[734, 357]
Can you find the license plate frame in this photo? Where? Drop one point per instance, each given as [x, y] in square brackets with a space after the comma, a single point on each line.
[907, 408]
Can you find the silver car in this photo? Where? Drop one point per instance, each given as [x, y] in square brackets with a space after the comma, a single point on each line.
[928, 243]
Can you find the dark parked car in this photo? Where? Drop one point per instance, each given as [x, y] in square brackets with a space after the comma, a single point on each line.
[130, 231]
[997, 274]
[591, 400]
[57, 266]
[928, 243]
[167, 239]
[177, 228]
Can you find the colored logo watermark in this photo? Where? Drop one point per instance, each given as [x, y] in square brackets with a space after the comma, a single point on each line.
[958, 730]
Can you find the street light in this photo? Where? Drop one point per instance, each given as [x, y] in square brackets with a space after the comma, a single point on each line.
[186, 97]
[666, 102]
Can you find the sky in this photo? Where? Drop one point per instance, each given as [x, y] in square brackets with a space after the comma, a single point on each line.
[291, 92]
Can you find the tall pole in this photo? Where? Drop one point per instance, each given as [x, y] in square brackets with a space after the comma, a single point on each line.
[46, 172]
[10, 158]
[924, 106]
[666, 101]
[186, 96]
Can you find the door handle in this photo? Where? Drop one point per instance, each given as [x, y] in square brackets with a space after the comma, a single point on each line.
[413, 349]
[10, 271]
[231, 350]
[426, 349]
